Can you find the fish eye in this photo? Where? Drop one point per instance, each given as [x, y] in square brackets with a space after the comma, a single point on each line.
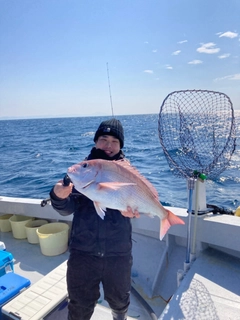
[85, 165]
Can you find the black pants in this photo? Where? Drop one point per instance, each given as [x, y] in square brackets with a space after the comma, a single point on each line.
[84, 274]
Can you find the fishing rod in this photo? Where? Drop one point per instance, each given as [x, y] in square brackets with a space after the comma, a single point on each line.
[109, 87]
[66, 179]
[66, 183]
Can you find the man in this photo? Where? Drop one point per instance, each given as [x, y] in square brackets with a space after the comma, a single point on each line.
[100, 250]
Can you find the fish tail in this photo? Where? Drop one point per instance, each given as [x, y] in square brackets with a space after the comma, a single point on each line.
[169, 221]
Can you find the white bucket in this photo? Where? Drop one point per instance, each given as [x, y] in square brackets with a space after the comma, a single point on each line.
[53, 238]
[18, 226]
[5, 225]
[31, 228]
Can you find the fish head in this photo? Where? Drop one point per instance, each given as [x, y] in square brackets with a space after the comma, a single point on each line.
[83, 174]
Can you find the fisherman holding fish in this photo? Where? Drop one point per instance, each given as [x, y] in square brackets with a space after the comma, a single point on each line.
[100, 244]
[103, 195]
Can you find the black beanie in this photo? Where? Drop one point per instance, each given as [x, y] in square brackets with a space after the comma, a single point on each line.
[112, 127]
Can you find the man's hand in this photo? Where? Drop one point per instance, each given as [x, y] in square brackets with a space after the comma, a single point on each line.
[62, 191]
[130, 213]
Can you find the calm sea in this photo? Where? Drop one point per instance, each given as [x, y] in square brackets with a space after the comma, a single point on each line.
[36, 153]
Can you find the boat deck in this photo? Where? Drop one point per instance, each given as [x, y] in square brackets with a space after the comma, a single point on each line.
[30, 263]
[210, 289]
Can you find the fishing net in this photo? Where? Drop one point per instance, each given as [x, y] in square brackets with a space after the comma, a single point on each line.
[197, 132]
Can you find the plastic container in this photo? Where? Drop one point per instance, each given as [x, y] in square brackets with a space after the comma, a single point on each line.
[53, 238]
[2, 246]
[6, 263]
[60, 312]
[11, 285]
[31, 230]
[18, 226]
[5, 225]
[237, 212]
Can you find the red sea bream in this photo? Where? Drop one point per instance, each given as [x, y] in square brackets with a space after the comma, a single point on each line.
[118, 185]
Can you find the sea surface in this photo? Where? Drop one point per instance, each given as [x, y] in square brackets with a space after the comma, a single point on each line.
[35, 154]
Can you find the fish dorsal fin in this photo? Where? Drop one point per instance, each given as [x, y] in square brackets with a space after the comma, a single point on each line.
[133, 171]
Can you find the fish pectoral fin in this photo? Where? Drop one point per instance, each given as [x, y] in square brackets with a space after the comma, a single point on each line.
[100, 210]
[114, 185]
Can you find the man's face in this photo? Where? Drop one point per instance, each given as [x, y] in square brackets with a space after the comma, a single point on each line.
[109, 144]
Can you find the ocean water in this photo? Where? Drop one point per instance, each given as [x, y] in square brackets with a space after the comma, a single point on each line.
[35, 154]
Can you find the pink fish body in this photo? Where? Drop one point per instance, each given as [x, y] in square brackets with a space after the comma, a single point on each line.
[117, 185]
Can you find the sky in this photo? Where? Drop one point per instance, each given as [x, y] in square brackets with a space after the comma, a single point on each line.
[91, 57]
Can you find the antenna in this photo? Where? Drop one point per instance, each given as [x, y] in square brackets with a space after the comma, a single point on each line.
[110, 90]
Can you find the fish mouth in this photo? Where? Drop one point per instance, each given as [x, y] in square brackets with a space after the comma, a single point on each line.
[88, 184]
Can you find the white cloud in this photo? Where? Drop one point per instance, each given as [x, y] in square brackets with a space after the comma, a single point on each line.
[195, 62]
[168, 67]
[228, 34]
[154, 51]
[235, 76]
[148, 71]
[183, 41]
[223, 56]
[175, 53]
[208, 48]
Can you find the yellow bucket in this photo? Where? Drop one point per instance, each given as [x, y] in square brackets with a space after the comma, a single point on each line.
[18, 226]
[5, 225]
[237, 212]
[31, 230]
[53, 238]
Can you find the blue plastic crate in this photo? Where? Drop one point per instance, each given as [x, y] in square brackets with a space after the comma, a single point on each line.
[11, 284]
[6, 262]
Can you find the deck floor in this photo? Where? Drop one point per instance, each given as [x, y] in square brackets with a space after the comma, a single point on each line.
[30, 263]
[210, 289]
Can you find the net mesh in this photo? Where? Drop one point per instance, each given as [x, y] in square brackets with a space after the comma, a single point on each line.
[197, 132]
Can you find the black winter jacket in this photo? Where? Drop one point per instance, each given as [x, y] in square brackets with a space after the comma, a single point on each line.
[90, 234]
